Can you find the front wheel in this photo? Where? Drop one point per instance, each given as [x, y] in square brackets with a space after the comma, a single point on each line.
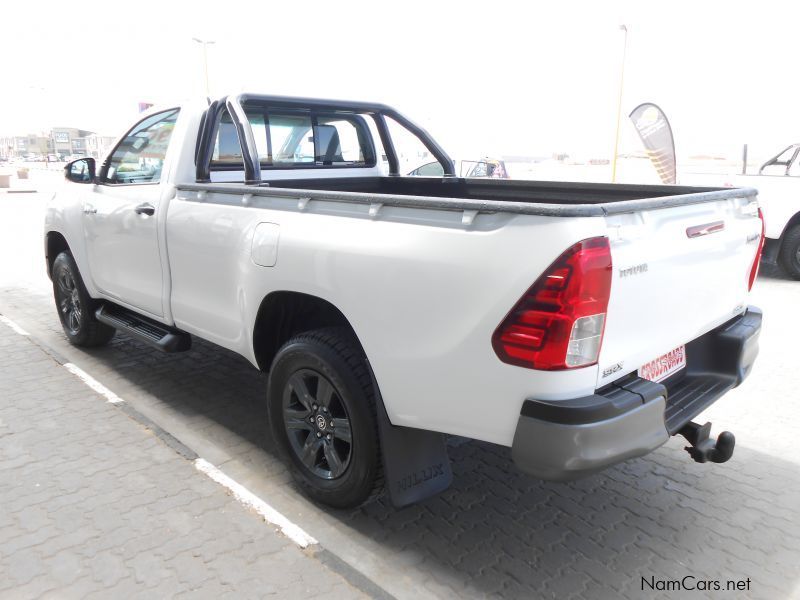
[790, 252]
[322, 414]
[75, 307]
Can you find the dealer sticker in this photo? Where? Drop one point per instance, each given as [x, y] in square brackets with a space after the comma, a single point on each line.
[664, 366]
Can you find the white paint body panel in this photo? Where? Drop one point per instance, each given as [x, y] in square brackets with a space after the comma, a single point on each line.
[424, 289]
[778, 197]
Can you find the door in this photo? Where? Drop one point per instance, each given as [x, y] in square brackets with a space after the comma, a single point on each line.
[121, 217]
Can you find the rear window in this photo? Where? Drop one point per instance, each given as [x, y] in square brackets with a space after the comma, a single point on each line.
[287, 140]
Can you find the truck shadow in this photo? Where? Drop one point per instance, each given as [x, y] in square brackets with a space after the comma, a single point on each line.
[499, 532]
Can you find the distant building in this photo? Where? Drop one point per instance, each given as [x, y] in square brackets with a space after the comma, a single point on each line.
[68, 141]
[97, 146]
[59, 141]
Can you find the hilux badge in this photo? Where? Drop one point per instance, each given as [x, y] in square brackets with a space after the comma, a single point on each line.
[635, 270]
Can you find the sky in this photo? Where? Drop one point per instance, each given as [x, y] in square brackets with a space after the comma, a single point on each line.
[484, 78]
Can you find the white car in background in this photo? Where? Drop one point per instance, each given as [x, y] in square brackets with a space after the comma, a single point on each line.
[778, 184]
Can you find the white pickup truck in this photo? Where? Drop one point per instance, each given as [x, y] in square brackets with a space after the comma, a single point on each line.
[778, 183]
[578, 324]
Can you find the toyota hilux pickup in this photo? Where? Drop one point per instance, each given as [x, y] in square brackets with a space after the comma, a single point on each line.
[579, 324]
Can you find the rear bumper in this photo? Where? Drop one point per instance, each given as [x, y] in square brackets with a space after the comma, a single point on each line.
[561, 440]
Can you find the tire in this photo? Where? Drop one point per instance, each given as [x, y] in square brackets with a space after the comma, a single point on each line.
[75, 307]
[317, 378]
[790, 252]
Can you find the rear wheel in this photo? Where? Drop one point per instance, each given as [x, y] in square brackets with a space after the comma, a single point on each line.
[75, 307]
[790, 252]
[322, 415]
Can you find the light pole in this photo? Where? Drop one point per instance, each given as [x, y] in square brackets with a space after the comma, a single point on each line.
[205, 44]
[619, 104]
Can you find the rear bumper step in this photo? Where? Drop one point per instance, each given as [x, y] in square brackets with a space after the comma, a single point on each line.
[566, 439]
[153, 333]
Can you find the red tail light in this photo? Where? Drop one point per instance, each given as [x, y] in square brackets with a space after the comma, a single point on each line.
[757, 259]
[559, 322]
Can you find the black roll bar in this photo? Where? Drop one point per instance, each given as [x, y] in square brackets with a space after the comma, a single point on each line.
[205, 146]
[252, 165]
[781, 163]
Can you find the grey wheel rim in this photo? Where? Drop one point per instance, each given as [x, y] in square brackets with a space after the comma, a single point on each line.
[68, 301]
[317, 424]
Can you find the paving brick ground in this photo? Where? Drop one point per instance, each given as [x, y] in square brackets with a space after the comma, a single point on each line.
[92, 505]
[497, 532]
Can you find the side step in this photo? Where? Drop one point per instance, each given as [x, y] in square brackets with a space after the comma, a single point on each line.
[158, 335]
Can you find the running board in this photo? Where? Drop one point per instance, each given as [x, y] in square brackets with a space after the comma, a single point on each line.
[153, 333]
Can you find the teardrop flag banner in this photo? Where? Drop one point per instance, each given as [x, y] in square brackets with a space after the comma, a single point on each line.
[656, 134]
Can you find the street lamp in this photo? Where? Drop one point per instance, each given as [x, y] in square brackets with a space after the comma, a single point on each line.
[619, 104]
[205, 44]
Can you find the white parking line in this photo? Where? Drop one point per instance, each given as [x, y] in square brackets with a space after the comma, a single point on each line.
[93, 383]
[13, 325]
[248, 498]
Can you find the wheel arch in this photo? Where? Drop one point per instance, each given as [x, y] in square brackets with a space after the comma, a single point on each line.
[284, 314]
[791, 224]
[54, 244]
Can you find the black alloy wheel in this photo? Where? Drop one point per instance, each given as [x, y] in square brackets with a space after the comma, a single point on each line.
[317, 424]
[75, 306]
[322, 414]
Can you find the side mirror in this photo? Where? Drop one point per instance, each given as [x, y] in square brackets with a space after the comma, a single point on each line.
[80, 171]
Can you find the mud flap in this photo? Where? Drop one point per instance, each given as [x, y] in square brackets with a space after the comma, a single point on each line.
[415, 462]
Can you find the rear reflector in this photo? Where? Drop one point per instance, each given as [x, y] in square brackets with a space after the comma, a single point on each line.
[559, 322]
[757, 259]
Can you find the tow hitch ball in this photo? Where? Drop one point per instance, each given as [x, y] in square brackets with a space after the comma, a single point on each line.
[703, 448]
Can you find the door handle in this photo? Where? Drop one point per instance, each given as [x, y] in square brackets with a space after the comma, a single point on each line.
[145, 209]
[88, 209]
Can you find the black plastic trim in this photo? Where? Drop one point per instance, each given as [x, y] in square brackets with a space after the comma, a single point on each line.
[716, 362]
[608, 403]
[484, 205]
[148, 331]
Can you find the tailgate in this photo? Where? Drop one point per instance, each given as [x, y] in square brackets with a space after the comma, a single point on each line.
[678, 273]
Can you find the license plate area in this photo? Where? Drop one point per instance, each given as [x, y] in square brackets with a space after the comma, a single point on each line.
[662, 367]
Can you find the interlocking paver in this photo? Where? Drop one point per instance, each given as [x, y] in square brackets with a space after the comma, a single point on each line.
[84, 517]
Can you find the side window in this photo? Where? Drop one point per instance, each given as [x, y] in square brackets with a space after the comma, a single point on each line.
[432, 169]
[292, 139]
[338, 141]
[226, 146]
[295, 139]
[411, 152]
[139, 157]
